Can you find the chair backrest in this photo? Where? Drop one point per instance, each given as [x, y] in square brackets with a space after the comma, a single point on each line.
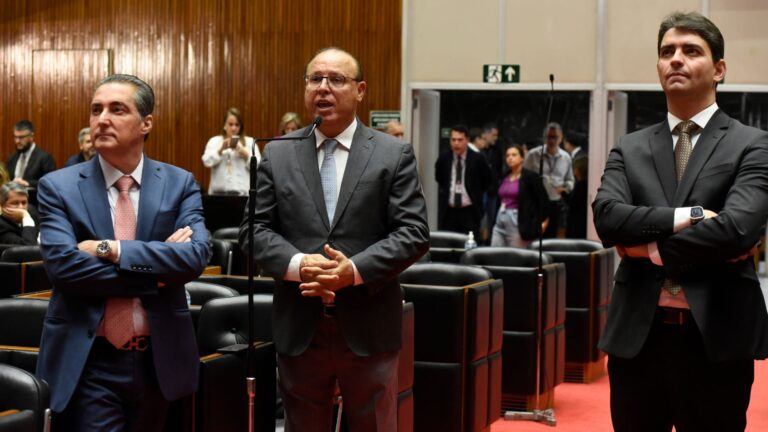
[232, 233]
[443, 274]
[504, 256]
[224, 322]
[21, 254]
[21, 321]
[202, 292]
[21, 390]
[567, 245]
[447, 239]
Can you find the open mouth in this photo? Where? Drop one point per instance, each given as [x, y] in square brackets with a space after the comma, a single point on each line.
[324, 104]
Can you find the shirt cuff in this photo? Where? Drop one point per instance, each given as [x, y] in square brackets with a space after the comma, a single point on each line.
[358, 278]
[653, 254]
[682, 218]
[27, 221]
[117, 251]
[292, 274]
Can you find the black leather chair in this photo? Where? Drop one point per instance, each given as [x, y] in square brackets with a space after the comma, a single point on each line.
[454, 333]
[221, 401]
[223, 210]
[446, 246]
[20, 390]
[589, 282]
[19, 254]
[23, 268]
[518, 269]
[21, 325]
[261, 284]
[202, 292]
[236, 260]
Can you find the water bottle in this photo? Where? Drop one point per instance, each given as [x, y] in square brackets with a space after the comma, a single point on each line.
[471, 243]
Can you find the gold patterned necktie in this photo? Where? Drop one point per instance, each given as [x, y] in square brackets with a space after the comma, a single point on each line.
[118, 314]
[684, 145]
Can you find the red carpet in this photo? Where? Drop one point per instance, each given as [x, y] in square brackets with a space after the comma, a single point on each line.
[584, 408]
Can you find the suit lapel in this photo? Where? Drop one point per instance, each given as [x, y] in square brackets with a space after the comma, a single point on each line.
[152, 182]
[95, 201]
[359, 155]
[716, 129]
[306, 154]
[664, 159]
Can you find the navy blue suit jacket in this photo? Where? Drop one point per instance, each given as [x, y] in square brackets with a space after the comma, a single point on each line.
[74, 207]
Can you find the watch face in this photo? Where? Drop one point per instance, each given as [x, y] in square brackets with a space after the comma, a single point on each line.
[103, 248]
[697, 212]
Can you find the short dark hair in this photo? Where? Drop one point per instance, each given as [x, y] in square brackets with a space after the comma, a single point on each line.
[489, 127]
[696, 23]
[144, 96]
[461, 129]
[24, 125]
[358, 76]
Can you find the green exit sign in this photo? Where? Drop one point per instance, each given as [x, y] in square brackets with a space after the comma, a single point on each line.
[501, 73]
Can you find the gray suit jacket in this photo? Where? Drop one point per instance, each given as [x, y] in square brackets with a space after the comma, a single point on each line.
[380, 223]
[728, 174]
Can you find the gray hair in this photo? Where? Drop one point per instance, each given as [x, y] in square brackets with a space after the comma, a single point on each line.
[144, 97]
[9, 187]
[553, 125]
[82, 134]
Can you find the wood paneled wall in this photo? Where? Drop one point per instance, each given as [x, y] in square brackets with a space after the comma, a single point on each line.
[200, 56]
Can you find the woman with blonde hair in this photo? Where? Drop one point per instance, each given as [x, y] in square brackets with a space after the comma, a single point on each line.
[228, 156]
[289, 123]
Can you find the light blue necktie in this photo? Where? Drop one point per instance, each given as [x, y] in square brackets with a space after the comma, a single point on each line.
[328, 177]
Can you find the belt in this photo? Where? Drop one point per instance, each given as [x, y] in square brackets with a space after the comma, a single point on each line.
[329, 310]
[673, 316]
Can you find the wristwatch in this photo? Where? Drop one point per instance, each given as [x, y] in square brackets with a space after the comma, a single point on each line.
[103, 249]
[697, 214]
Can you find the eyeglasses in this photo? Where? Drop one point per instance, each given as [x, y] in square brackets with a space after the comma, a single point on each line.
[21, 137]
[335, 81]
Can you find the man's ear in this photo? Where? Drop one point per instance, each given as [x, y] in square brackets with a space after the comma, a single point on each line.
[720, 69]
[146, 124]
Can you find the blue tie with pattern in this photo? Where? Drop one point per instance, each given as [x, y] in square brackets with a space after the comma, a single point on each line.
[328, 177]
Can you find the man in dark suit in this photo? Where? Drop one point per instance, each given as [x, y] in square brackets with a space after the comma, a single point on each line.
[30, 162]
[118, 341]
[338, 217]
[84, 143]
[17, 225]
[463, 177]
[687, 316]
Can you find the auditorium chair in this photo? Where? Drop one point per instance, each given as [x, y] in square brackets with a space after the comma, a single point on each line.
[24, 401]
[21, 326]
[446, 246]
[261, 284]
[202, 292]
[458, 324]
[223, 210]
[238, 263]
[589, 282]
[518, 270]
[22, 268]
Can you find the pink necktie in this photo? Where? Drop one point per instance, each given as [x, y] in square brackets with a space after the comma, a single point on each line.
[118, 316]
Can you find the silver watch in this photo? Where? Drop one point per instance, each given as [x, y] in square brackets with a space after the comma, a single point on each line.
[103, 249]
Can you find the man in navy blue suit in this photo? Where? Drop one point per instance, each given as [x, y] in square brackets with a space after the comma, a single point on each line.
[118, 341]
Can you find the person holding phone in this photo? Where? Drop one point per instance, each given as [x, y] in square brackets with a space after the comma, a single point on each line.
[228, 155]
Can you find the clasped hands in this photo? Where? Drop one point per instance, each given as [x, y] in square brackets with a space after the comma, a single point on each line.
[322, 276]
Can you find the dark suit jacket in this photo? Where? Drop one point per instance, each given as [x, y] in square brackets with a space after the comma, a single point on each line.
[12, 233]
[39, 164]
[74, 207]
[635, 204]
[380, 223]
[533, 204]
[477, 179]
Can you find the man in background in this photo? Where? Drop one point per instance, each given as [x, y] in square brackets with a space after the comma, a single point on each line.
[30, 162]
[557, 175]
[684, 202]
[395, 129]
[86, 148]
[463, 177]
[17, 225]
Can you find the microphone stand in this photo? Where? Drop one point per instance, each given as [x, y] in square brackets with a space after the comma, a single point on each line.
[546, 416]
[250, 379]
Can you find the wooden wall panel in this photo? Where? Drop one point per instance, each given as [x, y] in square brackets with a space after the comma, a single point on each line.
[201, 57]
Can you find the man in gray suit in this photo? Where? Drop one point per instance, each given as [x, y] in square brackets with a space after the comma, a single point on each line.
[684, 202]
[338, 217]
